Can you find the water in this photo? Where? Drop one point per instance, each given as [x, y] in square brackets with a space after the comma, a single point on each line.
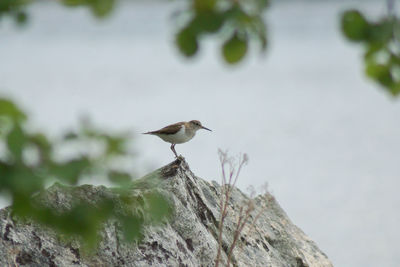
[324, 138]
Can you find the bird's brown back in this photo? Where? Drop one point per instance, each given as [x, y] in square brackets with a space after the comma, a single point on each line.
[170, 129]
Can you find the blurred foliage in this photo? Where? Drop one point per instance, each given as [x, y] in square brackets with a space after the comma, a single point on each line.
[237, 22]
[30, 161]
[15, 9]
[381, 42]
[99, 8]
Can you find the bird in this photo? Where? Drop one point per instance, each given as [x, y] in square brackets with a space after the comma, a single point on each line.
[178, 133]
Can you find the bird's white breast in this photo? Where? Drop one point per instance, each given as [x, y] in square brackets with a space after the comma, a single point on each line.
[179, 137]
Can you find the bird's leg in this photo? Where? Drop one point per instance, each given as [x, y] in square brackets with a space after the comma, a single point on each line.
[173, 150]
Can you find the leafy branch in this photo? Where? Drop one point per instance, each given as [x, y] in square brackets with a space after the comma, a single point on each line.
[381, 42]
[237, 23]
[30, 161]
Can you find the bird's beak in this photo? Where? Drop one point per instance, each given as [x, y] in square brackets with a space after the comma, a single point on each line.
[206, 128]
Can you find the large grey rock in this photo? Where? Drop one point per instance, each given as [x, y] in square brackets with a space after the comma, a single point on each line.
[188, 239]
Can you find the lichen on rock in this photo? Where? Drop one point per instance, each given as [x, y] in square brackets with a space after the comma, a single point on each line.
[188, 238]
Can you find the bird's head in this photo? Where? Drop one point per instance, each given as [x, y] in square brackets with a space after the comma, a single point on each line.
[197, 125]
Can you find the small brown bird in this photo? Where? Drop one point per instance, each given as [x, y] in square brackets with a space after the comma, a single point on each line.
[179, 132]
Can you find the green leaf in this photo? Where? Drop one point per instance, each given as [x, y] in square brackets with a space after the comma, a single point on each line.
[234, 49]
[233, 13]
[262, 4]
[131, 227]
[372, 50]
[12, 5]
[380, 33]
[70, 171]
[21, 18]
[380, 72]
[42, 144]
[5, 170]
[10, 110]
[16, 141]
[158, 206]
[395, 89]
[25, 181]
[102, 8]
[115, 145]
[257, 25]
[21, 205]
[119, 177]
[40, 140]
[395, 59]
[73, 3]
[200, 5]
[207, 21]
[354, 26]
[99, 8]
[187, 41]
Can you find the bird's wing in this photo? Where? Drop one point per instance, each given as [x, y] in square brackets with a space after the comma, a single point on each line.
[170, 129]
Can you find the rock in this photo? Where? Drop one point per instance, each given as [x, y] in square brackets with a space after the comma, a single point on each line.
[188, 239]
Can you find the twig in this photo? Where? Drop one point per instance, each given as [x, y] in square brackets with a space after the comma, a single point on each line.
[226, 190]
[242, 221]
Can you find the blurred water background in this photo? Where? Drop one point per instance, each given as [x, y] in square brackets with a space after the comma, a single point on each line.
[324, 138]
